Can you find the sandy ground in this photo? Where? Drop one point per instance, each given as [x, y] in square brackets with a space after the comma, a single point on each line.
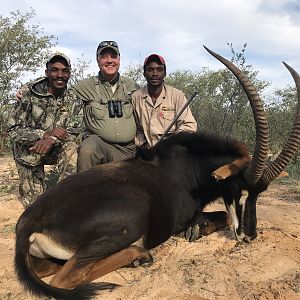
[214, 267]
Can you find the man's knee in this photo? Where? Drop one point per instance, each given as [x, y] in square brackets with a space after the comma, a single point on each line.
[86, 150]
[91, 152]
[89, 147]
[67, 160]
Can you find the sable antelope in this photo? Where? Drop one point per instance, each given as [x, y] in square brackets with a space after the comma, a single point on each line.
[92, 220]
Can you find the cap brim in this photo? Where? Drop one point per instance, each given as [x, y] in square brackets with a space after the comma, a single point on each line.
[109, 47]
[61, 56]
[154, 57]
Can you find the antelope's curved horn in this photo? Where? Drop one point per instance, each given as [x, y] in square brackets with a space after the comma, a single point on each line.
[292, 143]
[257, 165]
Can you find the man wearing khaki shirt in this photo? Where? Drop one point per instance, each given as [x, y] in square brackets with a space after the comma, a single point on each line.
[157, 104]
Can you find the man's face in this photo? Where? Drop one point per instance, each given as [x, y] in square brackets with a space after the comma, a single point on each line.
[154, 74]
[58, 74]
[109, 63]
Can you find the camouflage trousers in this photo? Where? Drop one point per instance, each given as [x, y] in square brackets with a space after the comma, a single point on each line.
[32, 178]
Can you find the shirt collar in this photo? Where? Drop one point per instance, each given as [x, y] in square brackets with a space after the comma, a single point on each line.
[147, 97]
[113, 82]
[40, 87]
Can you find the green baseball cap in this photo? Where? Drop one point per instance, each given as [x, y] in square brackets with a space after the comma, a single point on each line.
[108, 45]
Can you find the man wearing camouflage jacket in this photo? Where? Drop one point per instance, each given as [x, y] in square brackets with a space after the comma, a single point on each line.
[43, 128]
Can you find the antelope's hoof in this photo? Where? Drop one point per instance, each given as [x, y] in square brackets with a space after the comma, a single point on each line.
[143, 262]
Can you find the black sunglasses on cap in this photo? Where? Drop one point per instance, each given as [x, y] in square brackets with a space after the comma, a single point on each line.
[108, 43]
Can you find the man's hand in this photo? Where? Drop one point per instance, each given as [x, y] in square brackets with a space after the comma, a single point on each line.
[22, 90]
[42, 146]
[58, 132]
[19, 95]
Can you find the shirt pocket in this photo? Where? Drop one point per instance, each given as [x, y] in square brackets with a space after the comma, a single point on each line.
[98, 110]
[169, 115]
[127, 109]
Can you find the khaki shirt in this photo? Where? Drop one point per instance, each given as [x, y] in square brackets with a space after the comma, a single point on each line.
[95, 93]
[154, 119]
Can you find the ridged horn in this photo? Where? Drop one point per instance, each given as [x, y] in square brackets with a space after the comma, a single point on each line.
[257, 165]
[292, 143]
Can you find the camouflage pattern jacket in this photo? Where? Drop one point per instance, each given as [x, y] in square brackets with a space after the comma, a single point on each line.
[39, 111]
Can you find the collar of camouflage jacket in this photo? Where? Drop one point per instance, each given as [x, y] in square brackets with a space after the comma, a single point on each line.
[40, 87]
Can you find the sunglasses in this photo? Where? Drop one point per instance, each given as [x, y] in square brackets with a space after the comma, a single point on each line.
[105, 44]
[108, 43]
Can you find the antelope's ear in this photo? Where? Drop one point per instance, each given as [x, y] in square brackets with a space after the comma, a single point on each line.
[231, 169]
[282, 174]
[225, 172]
